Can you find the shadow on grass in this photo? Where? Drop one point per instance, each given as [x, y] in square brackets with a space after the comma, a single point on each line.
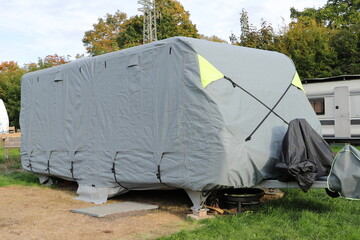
[316, 202]
[300, 205]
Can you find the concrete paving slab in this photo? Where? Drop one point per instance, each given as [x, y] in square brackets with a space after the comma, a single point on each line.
[107, 209]
[197, 217]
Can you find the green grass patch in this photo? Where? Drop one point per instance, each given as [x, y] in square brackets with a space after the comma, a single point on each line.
[337, 147]
[18, 178]
[13, 153]
[11, 172]
[298, 215]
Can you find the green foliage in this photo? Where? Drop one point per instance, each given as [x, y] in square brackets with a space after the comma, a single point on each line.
[132, 34]
[10, 90]
[212, 38]
[322, 42]
[116, 32]
[263, 38]
[346, 43]
[307, 43]
[341, 39]
[174, 20]
[298, 215]
[103, 38]
[335, 14]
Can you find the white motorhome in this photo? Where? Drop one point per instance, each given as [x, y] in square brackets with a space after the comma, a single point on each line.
[336, 101]
[4, 119]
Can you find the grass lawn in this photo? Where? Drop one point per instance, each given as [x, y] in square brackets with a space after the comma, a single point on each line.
[11, 172]
[297, 215]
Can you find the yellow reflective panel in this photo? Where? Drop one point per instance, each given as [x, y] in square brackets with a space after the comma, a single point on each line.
[297, 82]
[208, 73]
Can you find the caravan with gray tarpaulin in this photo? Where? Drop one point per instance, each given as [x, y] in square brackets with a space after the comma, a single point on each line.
[177, 113]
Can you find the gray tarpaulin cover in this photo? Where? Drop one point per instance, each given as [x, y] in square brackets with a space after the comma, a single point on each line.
[173, 113]
[344, 177]
[305, 155]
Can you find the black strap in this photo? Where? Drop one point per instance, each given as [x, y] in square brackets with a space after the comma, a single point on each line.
[262, 103]
[267, 115]
[72, 170]
[158, 174]
[114, 172]
[30, 166]
[48, 163]
[48, 167]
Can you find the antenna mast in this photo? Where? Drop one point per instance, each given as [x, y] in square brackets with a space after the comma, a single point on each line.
[149, 31]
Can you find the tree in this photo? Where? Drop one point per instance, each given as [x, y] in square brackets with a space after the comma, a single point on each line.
[341, 19]
[132, 33]
[307, 43]
[103, 38]
[346, 43]
[213, 38]
[10, 75]
[116, 32]
[48, 61]
[174, 20]
[335, 14]
[10, 66]
[250, 36]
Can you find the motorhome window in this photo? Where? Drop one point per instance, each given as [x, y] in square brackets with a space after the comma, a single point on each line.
[318, 105]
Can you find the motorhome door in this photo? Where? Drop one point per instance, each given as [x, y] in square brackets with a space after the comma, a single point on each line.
[342, 112]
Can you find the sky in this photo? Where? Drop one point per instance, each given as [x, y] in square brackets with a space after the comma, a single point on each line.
[30, 29]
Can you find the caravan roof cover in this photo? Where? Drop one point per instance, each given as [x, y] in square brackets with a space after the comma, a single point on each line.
[182, 112]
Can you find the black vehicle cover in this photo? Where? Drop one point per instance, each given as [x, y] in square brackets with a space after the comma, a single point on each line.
[305, 155]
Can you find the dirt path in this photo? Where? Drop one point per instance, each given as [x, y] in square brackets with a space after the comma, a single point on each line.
[43, 213]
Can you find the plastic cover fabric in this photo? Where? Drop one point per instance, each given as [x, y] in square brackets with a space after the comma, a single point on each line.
[344, 176]
[4, 119]
[305, 155]
[140, 118]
